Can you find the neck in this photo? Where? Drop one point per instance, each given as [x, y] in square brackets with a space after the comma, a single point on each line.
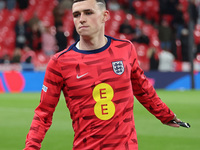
[92, 43]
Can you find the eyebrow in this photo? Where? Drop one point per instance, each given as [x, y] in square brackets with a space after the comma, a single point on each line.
[85, 10]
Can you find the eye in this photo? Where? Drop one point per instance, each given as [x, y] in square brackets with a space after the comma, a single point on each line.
[88, 12]
[75, 15]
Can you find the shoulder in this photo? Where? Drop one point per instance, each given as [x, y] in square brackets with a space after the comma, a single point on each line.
[116, 40]
[121, 43]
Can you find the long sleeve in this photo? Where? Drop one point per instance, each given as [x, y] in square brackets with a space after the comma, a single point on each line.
[146, 94]
[50, 94]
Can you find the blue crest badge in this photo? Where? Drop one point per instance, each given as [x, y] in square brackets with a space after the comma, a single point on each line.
[118, 67]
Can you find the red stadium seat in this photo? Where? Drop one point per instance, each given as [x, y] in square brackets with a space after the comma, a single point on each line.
[185, 4]
[131, 19]
[68, 24]
[29, 12]
[138, 6]
[116, 19]
[139, 22]
[141, 50]
[198, 57]
[197, 34]
[197, 37]
[40, 59]
[45, 11]
[148, 29]
[151, 10]
[4, 14]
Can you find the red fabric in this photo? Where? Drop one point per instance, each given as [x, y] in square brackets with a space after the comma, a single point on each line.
[98, 87]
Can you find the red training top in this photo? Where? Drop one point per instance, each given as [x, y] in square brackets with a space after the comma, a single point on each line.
[98, 86]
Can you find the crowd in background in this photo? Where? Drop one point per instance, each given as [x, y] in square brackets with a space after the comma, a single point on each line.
[33, 35]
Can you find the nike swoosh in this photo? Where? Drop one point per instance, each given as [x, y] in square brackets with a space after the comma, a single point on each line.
[78, 77]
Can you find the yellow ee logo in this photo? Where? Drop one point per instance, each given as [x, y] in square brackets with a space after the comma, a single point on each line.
[104, 108]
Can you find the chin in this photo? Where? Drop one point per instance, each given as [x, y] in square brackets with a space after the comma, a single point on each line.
[85, 35]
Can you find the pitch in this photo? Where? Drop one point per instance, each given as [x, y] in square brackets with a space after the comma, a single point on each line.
[16, 113]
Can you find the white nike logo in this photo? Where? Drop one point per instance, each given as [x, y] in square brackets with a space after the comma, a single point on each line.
[78, 77]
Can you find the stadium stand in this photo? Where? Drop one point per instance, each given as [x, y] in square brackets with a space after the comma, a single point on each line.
[148, 12]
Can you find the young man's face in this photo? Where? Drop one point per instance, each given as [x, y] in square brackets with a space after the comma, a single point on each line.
[89, 18]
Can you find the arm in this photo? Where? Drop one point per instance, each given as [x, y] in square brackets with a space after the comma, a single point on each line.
[147, 96]
[42, 119]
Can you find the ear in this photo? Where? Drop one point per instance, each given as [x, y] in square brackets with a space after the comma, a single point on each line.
[106, 16]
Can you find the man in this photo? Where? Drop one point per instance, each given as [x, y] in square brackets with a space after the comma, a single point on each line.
[99, 76]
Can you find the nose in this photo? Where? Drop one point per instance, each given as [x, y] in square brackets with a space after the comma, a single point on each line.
[82, 18]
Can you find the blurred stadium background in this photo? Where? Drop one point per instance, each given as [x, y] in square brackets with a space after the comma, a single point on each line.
[22, 66]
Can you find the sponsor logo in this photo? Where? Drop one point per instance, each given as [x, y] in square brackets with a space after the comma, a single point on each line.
[104, 108]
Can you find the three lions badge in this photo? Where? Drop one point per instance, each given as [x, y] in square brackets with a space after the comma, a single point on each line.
[118, 67]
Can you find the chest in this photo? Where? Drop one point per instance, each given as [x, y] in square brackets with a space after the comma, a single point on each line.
[88, 71]
[92, 78]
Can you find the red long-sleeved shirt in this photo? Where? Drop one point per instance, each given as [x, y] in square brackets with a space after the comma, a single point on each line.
[98, 86]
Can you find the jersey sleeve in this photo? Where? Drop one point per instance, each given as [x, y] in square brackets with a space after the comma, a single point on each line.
[146, 94]
[50, 95]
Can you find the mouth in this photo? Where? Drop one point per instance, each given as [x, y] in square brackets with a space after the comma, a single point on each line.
[83, 27]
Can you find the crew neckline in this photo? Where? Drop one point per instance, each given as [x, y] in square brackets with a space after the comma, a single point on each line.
[76, 47]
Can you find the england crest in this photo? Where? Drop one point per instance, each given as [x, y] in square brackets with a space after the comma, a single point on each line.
[118, 67]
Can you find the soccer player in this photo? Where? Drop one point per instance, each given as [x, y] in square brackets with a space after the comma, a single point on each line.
[98, 75]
